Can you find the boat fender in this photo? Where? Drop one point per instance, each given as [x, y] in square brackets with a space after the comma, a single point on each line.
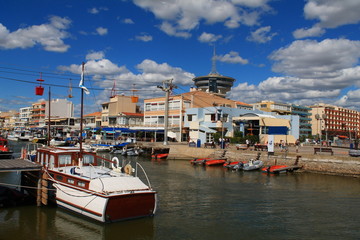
[115, 163]
[128, 169]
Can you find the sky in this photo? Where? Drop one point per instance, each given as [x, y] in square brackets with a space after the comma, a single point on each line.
[302, 51]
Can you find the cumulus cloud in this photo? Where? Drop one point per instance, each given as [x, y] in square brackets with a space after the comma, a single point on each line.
[312, 72]
[49, 35]
[232, 57]
[333, 13]
[128, 21]
[95, 55]
[95, 10]
[209, 37]
[312, 59]
[101, 31]
[261, 35]
[148, 75]
[330, 14]
[314, 31]
[144, 37]
[180, 17]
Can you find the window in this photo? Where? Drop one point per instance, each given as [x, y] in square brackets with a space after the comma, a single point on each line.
[81, 184]
[161, 120]
[88, 159]
[58, 177]
[190, 118]
[71, 181]
[64, 159]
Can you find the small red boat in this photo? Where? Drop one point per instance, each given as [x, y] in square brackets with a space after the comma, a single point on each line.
[214, 162]
[274, 169]
[198, 161]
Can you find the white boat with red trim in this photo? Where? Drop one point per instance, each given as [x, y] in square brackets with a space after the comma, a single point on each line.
[94, 186]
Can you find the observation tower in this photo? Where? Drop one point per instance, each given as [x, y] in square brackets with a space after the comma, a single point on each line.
[214, 82]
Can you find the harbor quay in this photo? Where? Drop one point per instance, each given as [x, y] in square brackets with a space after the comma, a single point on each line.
[337, 163]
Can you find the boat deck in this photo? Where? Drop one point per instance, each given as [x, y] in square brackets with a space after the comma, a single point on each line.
[14, 165]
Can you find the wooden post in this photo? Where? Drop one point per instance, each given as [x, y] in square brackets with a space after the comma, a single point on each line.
[44, 189]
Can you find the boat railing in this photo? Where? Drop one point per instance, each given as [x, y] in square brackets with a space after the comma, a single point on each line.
[147, 179]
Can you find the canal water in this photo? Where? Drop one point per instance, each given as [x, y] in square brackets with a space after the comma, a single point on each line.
[210, 203]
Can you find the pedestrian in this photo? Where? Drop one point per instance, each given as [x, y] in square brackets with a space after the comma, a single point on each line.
[297, 144]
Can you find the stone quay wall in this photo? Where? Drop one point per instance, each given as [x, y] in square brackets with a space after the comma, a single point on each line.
[338, 164]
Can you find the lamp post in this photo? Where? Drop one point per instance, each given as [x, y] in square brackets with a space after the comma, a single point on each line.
[319, 119]
[221, 118]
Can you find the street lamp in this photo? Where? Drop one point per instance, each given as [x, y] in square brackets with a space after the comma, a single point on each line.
[221, 118]
[319, 119]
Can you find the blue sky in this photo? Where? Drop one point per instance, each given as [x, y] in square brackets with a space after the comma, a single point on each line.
[301, 52]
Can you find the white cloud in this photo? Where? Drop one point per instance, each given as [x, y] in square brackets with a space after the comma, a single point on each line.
[314, 31]
[313, 72]
[261, 35]
[209, 37]
[95, 55]
[95, 10]
[183, 16]
[232, 57]
[318, 60]
[101, 31]
[333, 13]
[128, 21]
[49, 35]
[144, 38]
[172, 31]
[149, 74]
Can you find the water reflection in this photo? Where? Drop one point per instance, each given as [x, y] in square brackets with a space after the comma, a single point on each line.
[212, 203]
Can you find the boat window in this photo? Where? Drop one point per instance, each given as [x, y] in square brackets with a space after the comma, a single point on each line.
[81, 184]
[59, 177]
[42, 158]
[46, 159]
[88, 159]
[71, 181]
[52, 161]
[64, 159]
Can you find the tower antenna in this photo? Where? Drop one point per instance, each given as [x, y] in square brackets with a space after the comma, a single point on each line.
[213, 60]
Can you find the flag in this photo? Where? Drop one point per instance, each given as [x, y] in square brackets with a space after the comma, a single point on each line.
[81, 84]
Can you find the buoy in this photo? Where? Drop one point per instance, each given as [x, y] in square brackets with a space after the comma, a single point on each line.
[128, 169]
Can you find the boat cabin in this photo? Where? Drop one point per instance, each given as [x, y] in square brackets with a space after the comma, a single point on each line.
[62, 157]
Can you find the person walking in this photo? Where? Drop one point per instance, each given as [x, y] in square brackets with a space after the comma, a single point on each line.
[297, 144]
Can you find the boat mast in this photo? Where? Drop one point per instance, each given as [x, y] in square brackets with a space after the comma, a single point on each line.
[81, 108]
[49, 120]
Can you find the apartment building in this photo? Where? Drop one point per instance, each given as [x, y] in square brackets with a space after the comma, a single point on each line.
[154, 110]
[330, 121]
[59, 109]
[120, 106]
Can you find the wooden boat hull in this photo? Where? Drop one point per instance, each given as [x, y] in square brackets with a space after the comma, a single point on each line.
[107, 208]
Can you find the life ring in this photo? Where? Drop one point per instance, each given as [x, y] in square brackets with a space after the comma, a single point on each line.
[115, 163]
[128, 169]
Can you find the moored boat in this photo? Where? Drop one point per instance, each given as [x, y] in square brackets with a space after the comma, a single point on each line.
[207, 161]
[94, 186]
[234, 165]
[215, 162]
[253, 165]
[198, 161]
